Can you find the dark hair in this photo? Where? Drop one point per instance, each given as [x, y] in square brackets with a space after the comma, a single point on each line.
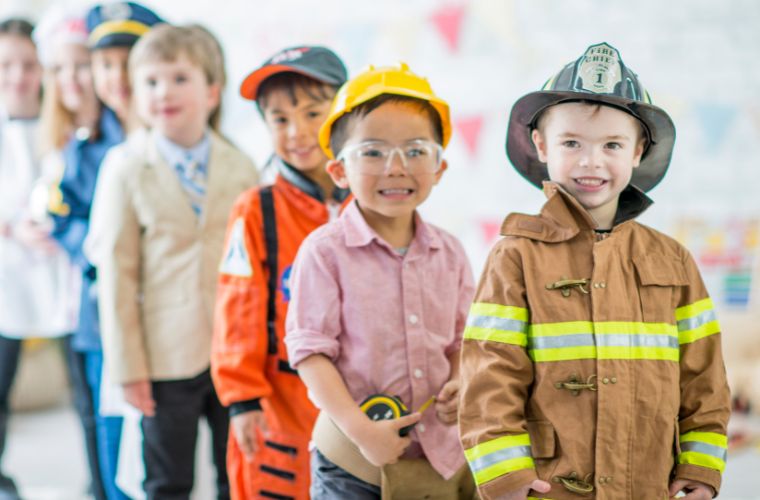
[289, 82]
[17, 26]
[340, 129]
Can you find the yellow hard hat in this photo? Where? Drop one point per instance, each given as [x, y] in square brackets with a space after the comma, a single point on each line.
[372, 82]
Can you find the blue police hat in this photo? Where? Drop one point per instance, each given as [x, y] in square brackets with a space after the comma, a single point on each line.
[118, 24]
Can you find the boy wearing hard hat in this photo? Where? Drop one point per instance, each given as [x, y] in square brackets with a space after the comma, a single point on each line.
[379, 301]
[591, 362]
[271, 417]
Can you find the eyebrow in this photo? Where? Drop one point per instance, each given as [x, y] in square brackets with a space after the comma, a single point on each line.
[570, 135]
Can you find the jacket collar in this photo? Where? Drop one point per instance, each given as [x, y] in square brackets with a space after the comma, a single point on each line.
[305, 184]
[562, 216]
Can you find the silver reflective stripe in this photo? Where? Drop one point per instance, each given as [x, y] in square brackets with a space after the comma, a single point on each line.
[697, 321]
[705, 449]
[604, 340]
[499, 456]
[510, 325]
[558, 341]
[637, 340]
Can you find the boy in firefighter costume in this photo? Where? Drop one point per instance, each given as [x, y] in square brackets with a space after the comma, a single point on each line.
[271, 416]
[592, 364]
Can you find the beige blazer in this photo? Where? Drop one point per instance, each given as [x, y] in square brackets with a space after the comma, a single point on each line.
[157, 261]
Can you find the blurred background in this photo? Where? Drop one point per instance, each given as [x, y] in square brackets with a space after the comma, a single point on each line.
[697, 58]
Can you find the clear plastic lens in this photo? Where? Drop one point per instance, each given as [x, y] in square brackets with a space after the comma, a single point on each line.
[418, 157]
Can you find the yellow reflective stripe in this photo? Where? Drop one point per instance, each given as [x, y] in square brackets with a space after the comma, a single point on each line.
[712, 438]
[499, 311]
[700, 332]
[656, 353]
[694, 309]
[499, 456]
[696, 321]
[494, 335]
[603, 340]
[502, 468]
[630, 327]
[497, 323]
[706, 449]
[497, 444]
[562, 353]
[566, 328]
[124, 26]
[701, 459]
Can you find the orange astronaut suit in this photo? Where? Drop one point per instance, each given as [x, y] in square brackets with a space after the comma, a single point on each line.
[249, 363]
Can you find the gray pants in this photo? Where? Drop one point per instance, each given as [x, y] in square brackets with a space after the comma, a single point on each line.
[330, 482]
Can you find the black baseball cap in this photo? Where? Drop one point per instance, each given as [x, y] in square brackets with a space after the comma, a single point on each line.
[319, 63]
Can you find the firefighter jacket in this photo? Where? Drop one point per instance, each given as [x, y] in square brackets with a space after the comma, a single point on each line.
[591, 362]
[250, 368]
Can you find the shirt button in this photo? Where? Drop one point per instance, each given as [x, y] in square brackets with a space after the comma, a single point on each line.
[413, 319]
[613, 380]
[418, 373]
[605, 380]
[421, 427]
[602, 284]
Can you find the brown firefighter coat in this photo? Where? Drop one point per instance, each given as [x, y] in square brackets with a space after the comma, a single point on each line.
[592, 362]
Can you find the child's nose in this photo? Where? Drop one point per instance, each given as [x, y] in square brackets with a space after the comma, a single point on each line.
[396, 163]
[591, 158]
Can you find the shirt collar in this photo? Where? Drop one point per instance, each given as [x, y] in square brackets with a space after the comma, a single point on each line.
[305, 184]
[359, 233]
[174, 154]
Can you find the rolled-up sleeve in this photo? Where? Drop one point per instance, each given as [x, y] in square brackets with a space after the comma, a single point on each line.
[313, 323]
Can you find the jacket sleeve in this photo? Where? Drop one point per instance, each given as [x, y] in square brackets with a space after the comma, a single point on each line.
[115, 226]
[705, 399]
[239, 346]
[496, 376]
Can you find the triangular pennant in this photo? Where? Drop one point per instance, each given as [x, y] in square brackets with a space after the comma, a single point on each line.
[469, 129]
[448, 20]
[490, 230]
[236, 261]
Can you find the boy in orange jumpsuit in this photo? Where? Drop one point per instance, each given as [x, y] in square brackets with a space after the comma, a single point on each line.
[271, 415]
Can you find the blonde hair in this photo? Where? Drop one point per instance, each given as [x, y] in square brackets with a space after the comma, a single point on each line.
[56, 122]
[166, 43]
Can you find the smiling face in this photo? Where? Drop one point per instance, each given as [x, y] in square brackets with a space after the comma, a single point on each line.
[175, 98]
[20, 76]
[73, 77]
[293, 119]
[591, 151]
[396, 193]
[110, 77]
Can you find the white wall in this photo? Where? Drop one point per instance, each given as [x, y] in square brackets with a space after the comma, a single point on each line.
[698, 58]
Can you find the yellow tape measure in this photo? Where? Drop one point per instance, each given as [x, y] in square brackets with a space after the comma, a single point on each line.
[385, 407]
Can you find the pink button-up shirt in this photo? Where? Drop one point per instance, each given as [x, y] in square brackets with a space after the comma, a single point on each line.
[387, 321]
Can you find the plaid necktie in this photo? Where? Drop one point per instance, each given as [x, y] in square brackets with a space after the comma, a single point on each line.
[192, 176]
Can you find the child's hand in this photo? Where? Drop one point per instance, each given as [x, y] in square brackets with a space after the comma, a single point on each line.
[34, 235]
[140, 395]
[522, 493]
[244, 425]
[694, 490]
[447, 402]
[380, 442]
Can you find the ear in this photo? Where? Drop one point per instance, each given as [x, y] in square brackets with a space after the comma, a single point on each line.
[538, 140]
[441, 170]
[639, 152]
[337, 172]
[214, 95]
